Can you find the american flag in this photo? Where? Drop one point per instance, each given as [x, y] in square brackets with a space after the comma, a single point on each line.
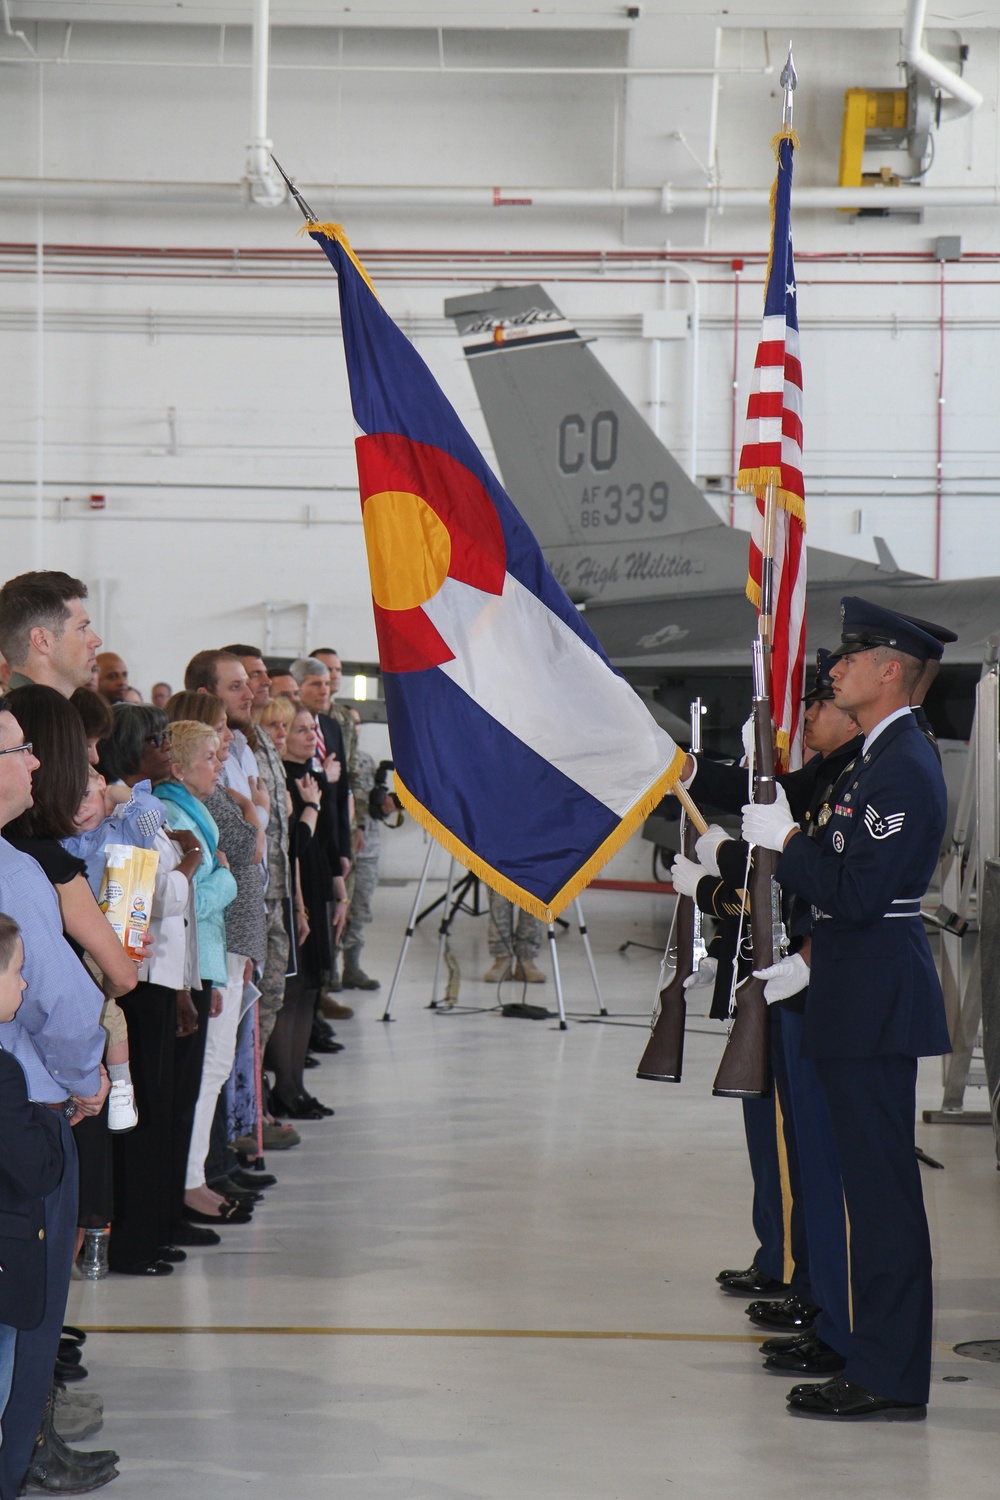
[772, 454]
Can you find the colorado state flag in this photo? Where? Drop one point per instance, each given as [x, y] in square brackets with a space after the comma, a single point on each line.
[515, 742]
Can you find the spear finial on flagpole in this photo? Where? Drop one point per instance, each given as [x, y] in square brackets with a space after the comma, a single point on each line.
[307, 212]
[788, 80]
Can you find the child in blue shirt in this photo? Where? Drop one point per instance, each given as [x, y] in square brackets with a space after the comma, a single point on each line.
[113, 815]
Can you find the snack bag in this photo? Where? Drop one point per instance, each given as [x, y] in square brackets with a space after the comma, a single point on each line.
[126, 897]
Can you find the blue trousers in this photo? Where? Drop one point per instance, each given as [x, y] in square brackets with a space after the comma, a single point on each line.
[872, 1104]
[35, 1351]
[822, 1196]
[778, 1219]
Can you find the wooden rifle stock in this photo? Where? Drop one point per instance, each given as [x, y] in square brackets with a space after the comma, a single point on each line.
[663, 1058]
[745, 1069]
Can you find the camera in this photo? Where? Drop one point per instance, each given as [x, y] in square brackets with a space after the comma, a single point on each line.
[382, 803]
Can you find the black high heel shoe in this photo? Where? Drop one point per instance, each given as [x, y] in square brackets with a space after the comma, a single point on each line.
[305, 1107]
[315, 1103]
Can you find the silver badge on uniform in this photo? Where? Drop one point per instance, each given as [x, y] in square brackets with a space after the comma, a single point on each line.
[838, 841]
[824, 815]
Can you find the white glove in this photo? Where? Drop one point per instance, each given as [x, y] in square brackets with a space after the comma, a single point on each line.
[768, 825]
[707, 845]
[703, 977]
[785, 978]
[748, 741]
[685, 875]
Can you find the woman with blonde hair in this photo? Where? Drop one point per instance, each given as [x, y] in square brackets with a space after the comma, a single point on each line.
[243, 842]
[194, 776]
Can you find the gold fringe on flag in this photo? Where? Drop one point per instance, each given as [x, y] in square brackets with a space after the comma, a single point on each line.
[749, 480]
[336, 232]
[583, 876]
[785, 134]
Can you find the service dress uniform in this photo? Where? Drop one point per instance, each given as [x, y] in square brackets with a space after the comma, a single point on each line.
[874, 1005]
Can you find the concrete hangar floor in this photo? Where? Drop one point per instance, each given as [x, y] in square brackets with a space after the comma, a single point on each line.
[491, 1277]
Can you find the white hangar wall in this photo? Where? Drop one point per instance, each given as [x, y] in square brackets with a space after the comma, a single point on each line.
[200, 388]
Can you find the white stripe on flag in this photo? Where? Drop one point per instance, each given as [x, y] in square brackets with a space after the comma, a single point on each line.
[522, 665]
[772, 377]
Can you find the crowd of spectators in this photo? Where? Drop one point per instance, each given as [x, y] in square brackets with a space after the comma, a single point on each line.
[147, 1066]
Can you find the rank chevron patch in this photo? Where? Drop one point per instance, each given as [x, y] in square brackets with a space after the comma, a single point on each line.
[882, 828]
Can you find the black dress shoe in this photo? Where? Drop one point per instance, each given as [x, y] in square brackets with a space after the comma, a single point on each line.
[70, 1352]
[746, 1283]
[68, 1373]
[73, 1335]
[839, 1400]
[322, 1044]
[810, 1357]
[782, 1344]
[311, 1062]
[184, 1233]
[145, 1268]
[255, 1181]
[790, 1315]
[172, 1253]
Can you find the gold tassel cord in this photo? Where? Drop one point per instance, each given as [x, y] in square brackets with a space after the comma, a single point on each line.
[337, 233]
[515, 893]
[785, 134]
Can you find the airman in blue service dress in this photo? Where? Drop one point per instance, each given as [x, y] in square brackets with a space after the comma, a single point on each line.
[874, 1006]
[817, 1313]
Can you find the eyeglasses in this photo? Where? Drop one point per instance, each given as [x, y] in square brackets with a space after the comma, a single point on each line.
[159, 739]
[18, 749]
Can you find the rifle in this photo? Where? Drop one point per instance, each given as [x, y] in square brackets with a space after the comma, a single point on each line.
[663, 1058]
[745, 1069]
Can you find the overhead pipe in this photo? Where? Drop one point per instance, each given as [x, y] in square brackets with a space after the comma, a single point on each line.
[964, 98]
[667, 199]
[18, 36]
[266, 188]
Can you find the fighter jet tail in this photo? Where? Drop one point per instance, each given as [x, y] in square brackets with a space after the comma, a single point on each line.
[577, 459]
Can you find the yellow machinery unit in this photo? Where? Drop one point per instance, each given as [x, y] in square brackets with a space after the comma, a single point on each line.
[872, 118]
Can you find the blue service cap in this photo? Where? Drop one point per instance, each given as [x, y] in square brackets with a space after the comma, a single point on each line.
[865, 626]
[939, 632]
[822, 683]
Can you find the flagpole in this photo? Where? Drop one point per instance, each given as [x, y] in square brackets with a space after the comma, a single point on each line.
[765, 618]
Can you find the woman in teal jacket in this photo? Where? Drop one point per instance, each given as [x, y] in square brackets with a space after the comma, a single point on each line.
[194, 775]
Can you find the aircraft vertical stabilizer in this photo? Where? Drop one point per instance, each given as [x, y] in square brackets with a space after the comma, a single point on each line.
[577, 459]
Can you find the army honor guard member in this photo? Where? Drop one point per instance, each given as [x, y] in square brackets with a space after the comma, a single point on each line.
[874, 1004]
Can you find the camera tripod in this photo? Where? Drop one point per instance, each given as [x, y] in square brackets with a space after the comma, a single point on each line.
[452, 901]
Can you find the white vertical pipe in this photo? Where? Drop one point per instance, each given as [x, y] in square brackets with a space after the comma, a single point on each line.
[40, 341]
[260, 62]
[263, 185]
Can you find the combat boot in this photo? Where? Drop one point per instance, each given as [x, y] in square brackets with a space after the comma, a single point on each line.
[355, 977]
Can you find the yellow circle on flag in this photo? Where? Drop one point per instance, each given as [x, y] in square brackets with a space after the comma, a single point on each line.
[409, 549]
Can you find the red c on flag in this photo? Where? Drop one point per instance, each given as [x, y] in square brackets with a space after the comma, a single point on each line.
[426, 518]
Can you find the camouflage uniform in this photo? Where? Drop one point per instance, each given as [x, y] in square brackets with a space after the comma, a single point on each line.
[362, 771]
[505, 941]
[279, 887]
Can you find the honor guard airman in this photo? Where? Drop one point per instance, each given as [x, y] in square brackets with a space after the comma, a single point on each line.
[874, 1003]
